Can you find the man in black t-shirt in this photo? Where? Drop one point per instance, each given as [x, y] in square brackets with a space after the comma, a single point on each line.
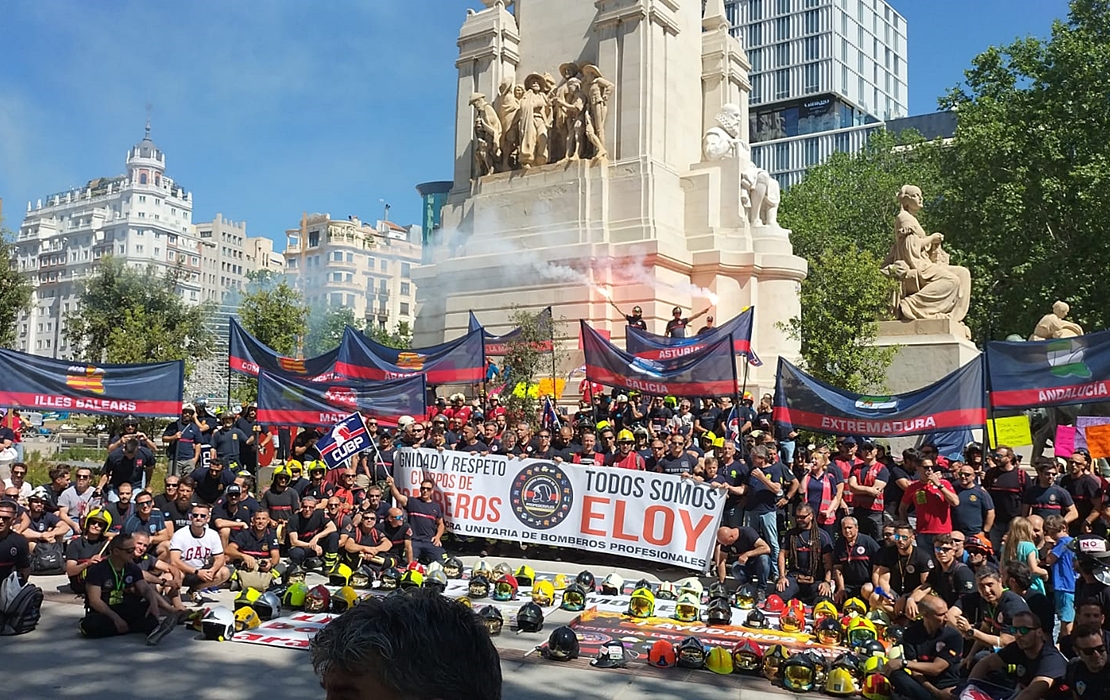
[742, 550]
[118, 600]
[676, 327]
[233, 513]
[311, 535]
[901, 573]
[1033, 662]
[677, 461]
[951, 579]
[280, 500]
[88, 549]
[256, 547]
[1006, 484]
[177, 510]
[805, 560]
[984, 617]
[367, 545]
[426, 520]
[129, 464]
[853, 557]
[1088, 676]
[930, 654]
[15, 554]
[212, 481]
[399, 534]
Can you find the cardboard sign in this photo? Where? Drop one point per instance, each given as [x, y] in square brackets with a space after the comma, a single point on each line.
[1098, 441]
[1064, 443]
[1012, 431]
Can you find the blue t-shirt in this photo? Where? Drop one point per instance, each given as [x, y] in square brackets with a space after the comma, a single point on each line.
[1063, 571]
[183, 448]
[760, 498]
[155, 524]
[968, 517]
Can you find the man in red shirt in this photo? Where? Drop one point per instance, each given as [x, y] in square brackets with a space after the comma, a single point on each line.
[845, 461]
[626, 457]
[932, 499]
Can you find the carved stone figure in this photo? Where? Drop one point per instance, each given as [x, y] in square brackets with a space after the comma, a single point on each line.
[558, 144]
[598, 92]
[760, 193]
[487, 135]
[1053, 325]
[507, 106]
[535, 121]
[572, 103]
[928, 286]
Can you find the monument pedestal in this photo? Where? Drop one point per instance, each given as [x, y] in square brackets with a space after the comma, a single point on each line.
[928, 350]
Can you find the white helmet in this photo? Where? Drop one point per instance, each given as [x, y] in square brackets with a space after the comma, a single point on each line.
[613, 584]
[218, 624]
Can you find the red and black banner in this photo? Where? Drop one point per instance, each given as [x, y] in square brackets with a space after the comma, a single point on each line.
[283, 400]
[956, 402]
[1054, 372]
[710, 371]
[498, 345]
[661, 347]
[246, 355]
[46, 384]
[461, 361]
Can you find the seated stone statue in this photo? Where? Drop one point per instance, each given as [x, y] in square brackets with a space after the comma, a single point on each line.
[928, 286]
[1053, 325]
[760, 193]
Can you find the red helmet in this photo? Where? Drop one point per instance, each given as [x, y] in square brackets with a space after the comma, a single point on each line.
[417, 566]
[747, 656]
[317, 600]
[662, 654]
[774, 604]
[797, 607]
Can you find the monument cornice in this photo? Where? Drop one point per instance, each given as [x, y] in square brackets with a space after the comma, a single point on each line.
[644, 9]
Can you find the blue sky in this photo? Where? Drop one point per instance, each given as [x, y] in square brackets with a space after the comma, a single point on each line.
[268, 109]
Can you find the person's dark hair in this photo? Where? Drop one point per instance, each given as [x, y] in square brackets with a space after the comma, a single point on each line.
[58, 471]
[911, 455]
[1090, 603]
[1081, 631]
[1020, 572]
[187, 481]
[943, 538]
[1030, 615]
[903, 525]
[421, 645]
[986, 572]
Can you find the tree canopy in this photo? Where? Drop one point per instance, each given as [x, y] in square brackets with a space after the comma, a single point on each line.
[274, 312]
[15, 291]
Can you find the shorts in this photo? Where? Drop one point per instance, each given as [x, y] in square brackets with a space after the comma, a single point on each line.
[1065, 605]
[192, 581]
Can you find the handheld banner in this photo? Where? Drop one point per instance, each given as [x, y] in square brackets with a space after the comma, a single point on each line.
[710, 371]
[346, 439]
[497, 345]
[283, 400]
[29, 381]
[1049, 372]
[461, 361]
[955, 402]
[246, 355]
[645, 515]
[660, 347]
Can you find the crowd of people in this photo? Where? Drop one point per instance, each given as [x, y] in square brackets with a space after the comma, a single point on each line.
[977, 546]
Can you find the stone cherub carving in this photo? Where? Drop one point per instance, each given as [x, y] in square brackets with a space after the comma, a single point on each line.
[1053, 325]
[760, 193]
[928, 286]
[487, 135]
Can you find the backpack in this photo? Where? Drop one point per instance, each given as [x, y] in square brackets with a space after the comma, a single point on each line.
[20, 606]
[47, 559]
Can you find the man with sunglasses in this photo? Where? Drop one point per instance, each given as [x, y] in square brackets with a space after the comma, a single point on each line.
[1088, 613]
[930, 657]
[367, 545]
[1044, 498]
[399, 534]
[71, 502]
[974, 515]
[183, 440]
[678, 460]
[88, 549]
[312, 535]
[118, 600]
[19, 480]
[196, 551]
[1090, 676]
[951, 579]
[932, 499]
[233, 513]
[1085, 488]
[901, 573]
[15, 552]
[150, 520]
[1006, 483]
[1036, 665]
[426, 520]
[470, 442]
[255, 548]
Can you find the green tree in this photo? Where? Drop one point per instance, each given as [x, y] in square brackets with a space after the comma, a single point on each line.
[325, 329]
[400, 337]
[274, 312]
[129, 315]
[842, 215]
[526, 359]
[1025, 179]
[15, 290]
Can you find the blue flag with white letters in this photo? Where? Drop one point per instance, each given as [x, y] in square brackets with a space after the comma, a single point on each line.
[346, 439]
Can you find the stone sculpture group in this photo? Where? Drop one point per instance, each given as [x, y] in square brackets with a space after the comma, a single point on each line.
[542, 121]
[759, 192]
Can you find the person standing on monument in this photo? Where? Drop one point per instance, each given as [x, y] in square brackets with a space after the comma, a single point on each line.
[676, 327]
[636, 320]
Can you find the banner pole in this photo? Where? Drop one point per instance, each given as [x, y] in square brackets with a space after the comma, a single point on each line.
[554, 386]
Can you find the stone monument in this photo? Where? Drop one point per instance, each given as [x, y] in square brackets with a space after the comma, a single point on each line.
[929, 302]
[627, 175]
[1054, 325]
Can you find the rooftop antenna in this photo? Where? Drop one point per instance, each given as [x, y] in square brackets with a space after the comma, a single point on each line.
[149, 109]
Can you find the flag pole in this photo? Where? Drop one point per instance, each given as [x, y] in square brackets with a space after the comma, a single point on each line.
[554, 385]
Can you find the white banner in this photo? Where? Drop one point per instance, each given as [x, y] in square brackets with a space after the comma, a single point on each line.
[643, 515]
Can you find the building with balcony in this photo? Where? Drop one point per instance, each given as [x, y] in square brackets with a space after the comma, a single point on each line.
[345, 263]
[229, 256]
[824, 75]
[142, 216]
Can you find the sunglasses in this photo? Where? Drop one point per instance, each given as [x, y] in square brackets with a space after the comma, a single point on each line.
[1091, 651]
[333, 505]
[942, 550]
[5, 518]
[19, 473]
[899, 538]
[967, 475]
[1022, 630]
[84, 476]
[198, 516]
[396, 517]
[171, 486]
[425, 488]
[144, 503]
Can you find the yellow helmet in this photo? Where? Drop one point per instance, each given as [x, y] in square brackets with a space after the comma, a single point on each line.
[824, 608]
[315, 465]
[642, 603]
[344, 599]
[246, 619]
[687, 608]
[840, 682]
[281, 471]
[855, 606]
[719, 660]
[294, 465]
[876, 687]
[543, 593]
[626, 436]
[860, 630]
[773, 660]
[874, 664]
[247, 597]
[465, 600]
[561, 581]
[100, 514]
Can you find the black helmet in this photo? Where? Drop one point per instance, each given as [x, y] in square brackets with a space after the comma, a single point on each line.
[894, 635]
[130, 420]
[492, 619]
[586, 580]
[314, 564]
[691, 653]
[453, 567]
[717, 589]
[756, 619]
[642, 583]
[390, 580]
[872, 647]
[574, 598]
[612, 654]
[478, 587]
[562, 645]
[293, 574]
[719, 612]
[529, 618]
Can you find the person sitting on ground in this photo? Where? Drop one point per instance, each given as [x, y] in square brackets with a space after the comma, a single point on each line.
[805, 560]
[88, 549]
[399, 534]
[426, 521]
[744, 554]
[196, 551]
[22, 521]
[1087, 613]
[1036, 665]
[929, 665]
[1017, 577]
[901, 573]
[118, 600]
[42, 526]
[122, 509]
[152, 521]
[212, 481]
[281, 501]
[1089, 675]
[380, 651]
[15, 553]
[255, 548]
[73, 502]
[984, 617]
[177, 511]
[334, 513]
[367, 545]
[853, 556]
[312, 536]
[168, 495]
[317, 487]
[951, 579]
[158, 573]
[19, 482]
[348, 493]
[232, 514]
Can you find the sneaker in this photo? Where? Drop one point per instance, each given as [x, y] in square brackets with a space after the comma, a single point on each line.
[164, 627]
